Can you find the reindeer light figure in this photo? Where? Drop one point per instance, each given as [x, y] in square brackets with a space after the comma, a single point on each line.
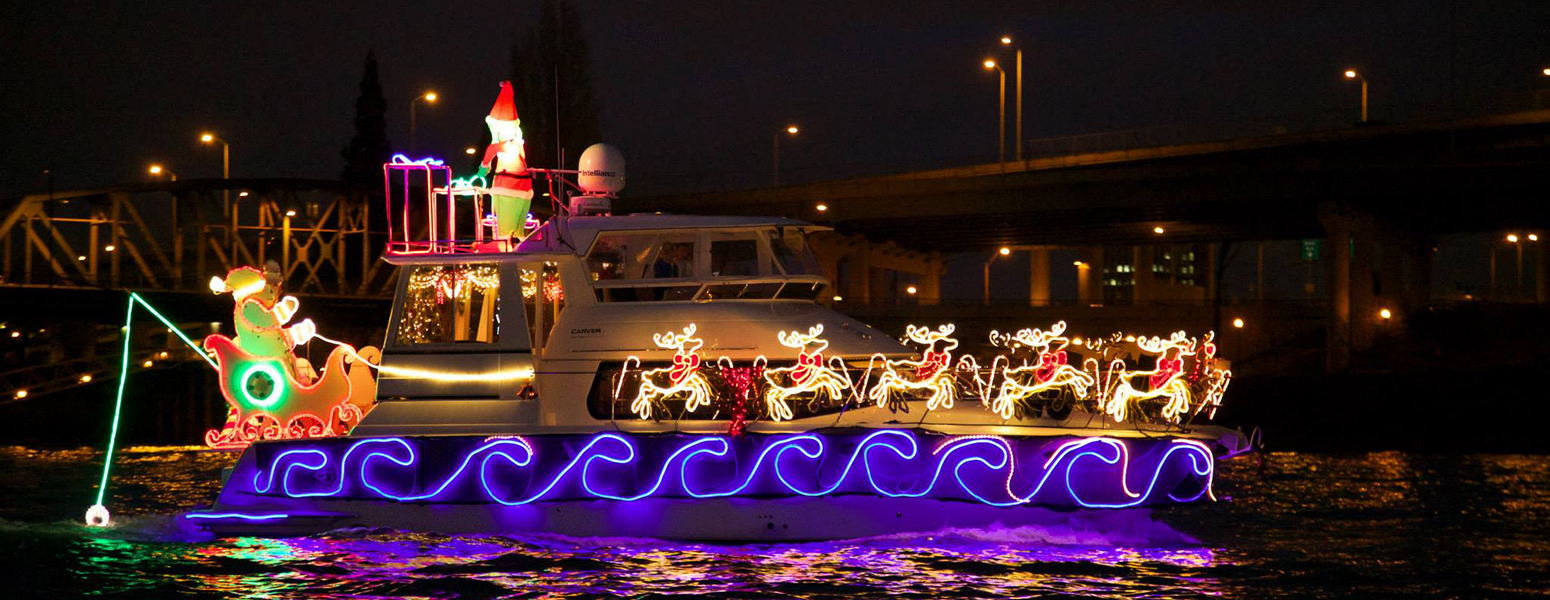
[1207, 381]
[1050, 372]
[683, 379]
[810, 374]
[930, 373]
[1165, 380]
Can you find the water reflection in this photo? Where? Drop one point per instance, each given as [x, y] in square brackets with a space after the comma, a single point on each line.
[1381, 525]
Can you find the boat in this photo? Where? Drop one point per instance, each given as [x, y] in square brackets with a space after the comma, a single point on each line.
[685, 377]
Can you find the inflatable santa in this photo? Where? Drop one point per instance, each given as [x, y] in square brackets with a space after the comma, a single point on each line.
[511, 187]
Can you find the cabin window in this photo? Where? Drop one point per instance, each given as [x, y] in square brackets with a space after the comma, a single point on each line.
[450, 304]
[641, 256]
[543, 299]
[792, 253]
[623, 267]
[735, 257]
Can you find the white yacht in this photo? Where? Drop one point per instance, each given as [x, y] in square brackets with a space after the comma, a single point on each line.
[679, 377]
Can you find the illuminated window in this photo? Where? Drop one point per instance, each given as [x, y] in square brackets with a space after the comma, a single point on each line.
[450, 304]
[543, 300]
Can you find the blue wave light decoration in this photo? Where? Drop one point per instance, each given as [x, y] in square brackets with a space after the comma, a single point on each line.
[1088, 472]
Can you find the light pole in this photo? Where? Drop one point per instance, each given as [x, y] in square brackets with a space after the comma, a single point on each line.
[210, 138]
[790, 130]
[1006, 40]
[158, 170]
[1352, 74]
[1517, 286]
[1000, 112]
[429, 97]
[1004, 251]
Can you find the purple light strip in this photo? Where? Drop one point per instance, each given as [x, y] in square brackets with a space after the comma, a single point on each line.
[621, 451]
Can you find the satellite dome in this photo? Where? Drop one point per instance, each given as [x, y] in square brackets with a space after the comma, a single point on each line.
[602, 170]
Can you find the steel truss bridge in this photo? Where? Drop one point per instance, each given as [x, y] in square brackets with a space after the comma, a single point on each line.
[174, 236]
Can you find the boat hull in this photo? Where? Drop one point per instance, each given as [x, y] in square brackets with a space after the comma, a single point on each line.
[797, 486]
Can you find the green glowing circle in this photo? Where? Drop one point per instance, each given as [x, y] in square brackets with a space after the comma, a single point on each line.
[260, 385]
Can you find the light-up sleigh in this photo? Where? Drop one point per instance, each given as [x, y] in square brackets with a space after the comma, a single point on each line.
[676, 377]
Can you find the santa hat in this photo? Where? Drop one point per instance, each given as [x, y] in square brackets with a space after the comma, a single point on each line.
[505, 108]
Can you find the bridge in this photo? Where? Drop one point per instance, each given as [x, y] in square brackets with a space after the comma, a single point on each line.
[1123, 235]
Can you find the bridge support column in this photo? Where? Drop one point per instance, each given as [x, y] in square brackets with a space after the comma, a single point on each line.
[1353, 314]
[1541, 274]
[1089, 277]
[1038, 277]
[1144, 290]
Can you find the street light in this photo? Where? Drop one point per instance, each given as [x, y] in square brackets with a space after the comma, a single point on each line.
[1158, 230]
[210, 138]
[429, 97]
[158, 170]
[1006, 40]
[469, 150]
[1385, 314]
[791, 130]
[1352, 74]
[1546, 71]
[1237, 323]
[1003, 251]
[1000, 111]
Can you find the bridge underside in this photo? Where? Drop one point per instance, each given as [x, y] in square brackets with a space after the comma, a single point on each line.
[1375, 199]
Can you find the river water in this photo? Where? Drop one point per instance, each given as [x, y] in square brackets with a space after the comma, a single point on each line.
[1374, 525]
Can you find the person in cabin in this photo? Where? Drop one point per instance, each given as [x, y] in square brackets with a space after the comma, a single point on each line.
[511, 186]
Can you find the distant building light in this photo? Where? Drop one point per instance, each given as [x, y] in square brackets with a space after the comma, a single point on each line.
[839, 298]
[1238, 323]
[822, 207]
[1157, 230]
[86, 379]
[1385, 314]
[910, 290]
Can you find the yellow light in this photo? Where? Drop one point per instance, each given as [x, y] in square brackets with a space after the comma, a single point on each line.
[1005, 251]
[86, 379]
[839, 298]
[162, 354]
[990, 64]
[109, 248]
[792, 129]
[1157, 230]
[1512, 237]
[21, 394]
[242, 194]
[469, 150]
[147, 364]
[1238, 323]
[1385, 314]
[16, 334]
[290, 213]
[822, 207]
[155, 169]
[910, 290]
[81, 258]
[1006, 40]
[430, 96]
[1533, 237]
[206, 138]
[1350, 74]
[1079, 264]
[1077, 341]
[1546, 71]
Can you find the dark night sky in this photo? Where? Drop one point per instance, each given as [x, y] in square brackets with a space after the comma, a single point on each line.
[691, 91]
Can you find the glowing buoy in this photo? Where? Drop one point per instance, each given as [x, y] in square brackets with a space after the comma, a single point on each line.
[97, 516]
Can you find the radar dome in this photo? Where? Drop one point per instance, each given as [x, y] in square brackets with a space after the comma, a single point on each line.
[601, 170]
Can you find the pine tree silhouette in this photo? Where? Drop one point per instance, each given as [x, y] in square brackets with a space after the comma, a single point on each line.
[368, 148]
